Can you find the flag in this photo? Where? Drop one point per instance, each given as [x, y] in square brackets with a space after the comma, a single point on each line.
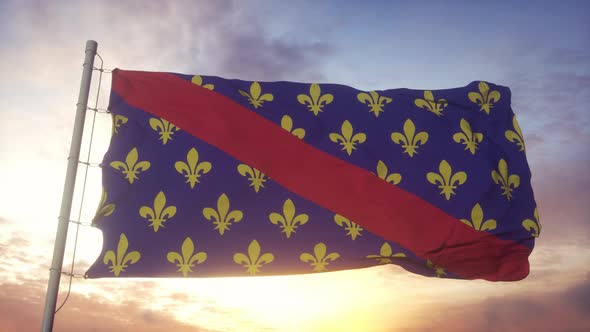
[208, 177]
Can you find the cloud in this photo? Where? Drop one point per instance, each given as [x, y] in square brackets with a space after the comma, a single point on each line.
[214, 38]
[251, 55]
[21, 308]
[41, 72]
[566, 310]
[579, 296]
[567, 57]
[561, 190]
[41, 65]
[220, 38]
[14, 251]
[547, 94]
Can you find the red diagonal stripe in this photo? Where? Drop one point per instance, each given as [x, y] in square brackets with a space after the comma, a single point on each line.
[332, 183]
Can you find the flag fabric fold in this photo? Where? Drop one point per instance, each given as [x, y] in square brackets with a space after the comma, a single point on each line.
[207, 176]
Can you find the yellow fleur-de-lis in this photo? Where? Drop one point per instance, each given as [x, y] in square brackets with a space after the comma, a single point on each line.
[347, 139]
[375, 102]
[386, 254]
[159, 214]
[287, 124]
[192, 169]
[222, 217]
[288, 221]
[430, 105]
[198, 80]
[255, 97]
[187, 260]
[315, 101]
[408, 140]
[447, 181]
[353, 228]
[319, 259]
[477, 218]
[515, 136]
[254, 261]
[437, 269]
[393, 178]
[104, 210]
[164, 128]
[533, 226]
[131, 167]
[508, 182]
[118, 121]
[484, 98]
[121, 260]
[468, 137]
[256, 177]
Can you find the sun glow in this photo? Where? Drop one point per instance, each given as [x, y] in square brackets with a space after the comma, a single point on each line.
[339, 301]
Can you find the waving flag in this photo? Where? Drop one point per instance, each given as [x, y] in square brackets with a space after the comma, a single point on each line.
[208, 177]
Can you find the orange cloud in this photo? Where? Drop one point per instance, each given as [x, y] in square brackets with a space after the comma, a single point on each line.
[21, 308]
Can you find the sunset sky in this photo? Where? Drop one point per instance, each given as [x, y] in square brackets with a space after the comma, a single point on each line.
[540, 49]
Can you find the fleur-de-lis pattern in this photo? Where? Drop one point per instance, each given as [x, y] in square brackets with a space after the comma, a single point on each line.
[192, 169]
[198, 80]
[254, 260]
[430, 104]
[121, 259]
[508, 182]
[131, 167]
[440, 272]
[222, 217]
[446, 180]
[484, 97]
[374, 100]
[289, 220]
[256, 97]
[467, 137]
[187, 258]
[409, 140]
[347, 139]
[386, 254]
[515, 136]
[255, 176]
[164, 128]
[158, 213]
[477, 222]
[287, 124]
[383, 173]
[533, 226]
[315, 101]
[118, 121]
[352, 229]
[104, 209]
[193, 210]
[319, 259]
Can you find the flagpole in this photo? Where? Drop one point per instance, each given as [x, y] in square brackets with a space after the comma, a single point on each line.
[68, 193]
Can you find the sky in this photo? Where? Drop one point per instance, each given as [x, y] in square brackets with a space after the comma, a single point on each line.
[540, 49]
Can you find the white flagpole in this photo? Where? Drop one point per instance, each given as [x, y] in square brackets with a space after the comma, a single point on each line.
[68, 193]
